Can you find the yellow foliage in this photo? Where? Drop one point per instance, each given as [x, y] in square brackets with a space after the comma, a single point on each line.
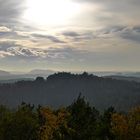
[127, 127]
[134, 122]
[53, 120]
[120, 126]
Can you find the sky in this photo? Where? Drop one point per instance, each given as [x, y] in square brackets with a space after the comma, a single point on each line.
[70, 35]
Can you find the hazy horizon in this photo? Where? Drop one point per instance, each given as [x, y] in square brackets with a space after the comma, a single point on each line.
[33, 73]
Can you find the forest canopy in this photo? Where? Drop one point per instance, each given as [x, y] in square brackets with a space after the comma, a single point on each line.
[78, 121]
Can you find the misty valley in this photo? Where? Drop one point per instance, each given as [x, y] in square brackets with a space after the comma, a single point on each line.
[67, 106]
[60, 89]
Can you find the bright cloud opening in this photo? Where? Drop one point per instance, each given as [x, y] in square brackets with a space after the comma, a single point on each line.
[52, 12]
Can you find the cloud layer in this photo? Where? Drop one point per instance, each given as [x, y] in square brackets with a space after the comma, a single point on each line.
[10, 10]
[105, 35]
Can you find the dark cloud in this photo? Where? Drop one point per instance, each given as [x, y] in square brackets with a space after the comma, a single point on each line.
[8, 34]
[75, 36]
[4, 45]
[136, 28]
[10, 10]
[52, 38]
[112, 29]
[70, 34]
[124, 32]
[131, 35]
[115, 31]
[117, 28]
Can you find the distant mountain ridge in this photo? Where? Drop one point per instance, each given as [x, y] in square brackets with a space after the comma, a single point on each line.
[61, 89]
[120, 77]
[4, 73]
[9, 76]
[41, 71]
[13, 75]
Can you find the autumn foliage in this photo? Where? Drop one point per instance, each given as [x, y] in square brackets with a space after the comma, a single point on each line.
[78, 121]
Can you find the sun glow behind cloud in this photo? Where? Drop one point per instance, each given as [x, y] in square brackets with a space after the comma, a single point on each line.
[81, 34]
[50, 12]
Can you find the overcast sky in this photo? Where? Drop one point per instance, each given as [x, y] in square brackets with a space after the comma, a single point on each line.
[85, 35]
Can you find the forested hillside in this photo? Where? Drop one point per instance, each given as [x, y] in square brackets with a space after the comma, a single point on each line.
[62, 88]
[78, 121]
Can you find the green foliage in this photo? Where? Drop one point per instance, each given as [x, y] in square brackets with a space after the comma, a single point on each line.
[104, 131]
[79, 121]
[83, 119]
[21, 124]
[5, 119]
